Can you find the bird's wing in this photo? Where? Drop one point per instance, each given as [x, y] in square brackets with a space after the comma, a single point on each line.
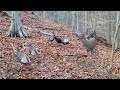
[24, 59]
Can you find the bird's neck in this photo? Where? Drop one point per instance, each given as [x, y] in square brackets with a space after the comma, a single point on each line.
[17, 49]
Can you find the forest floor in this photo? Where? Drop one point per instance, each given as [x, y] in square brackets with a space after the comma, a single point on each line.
[54, 61]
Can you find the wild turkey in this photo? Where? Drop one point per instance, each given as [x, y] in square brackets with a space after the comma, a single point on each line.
[88, 41]
[32, 50]
[59, 39]
[21, 56]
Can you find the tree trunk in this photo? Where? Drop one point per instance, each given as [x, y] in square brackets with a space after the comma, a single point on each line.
[95, 21]
[114, 40]
[16, 28]
[85, 22]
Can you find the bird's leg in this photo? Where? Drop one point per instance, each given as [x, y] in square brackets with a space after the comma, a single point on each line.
[90, 54]
[51, 42]
[48, 41]
[60, 44]
[87, 52]
[93, 52]
[30, 66]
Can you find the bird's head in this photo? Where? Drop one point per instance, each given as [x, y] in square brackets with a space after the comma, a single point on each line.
[17, 48]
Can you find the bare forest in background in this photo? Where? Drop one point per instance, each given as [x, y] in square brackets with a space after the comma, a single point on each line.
[85, 21]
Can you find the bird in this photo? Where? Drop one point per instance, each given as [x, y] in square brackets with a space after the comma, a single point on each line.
[32, 50]
[89, 41]
[21, 56]
[59, 39]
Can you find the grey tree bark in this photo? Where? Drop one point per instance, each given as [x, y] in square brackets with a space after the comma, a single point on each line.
[85, 22]
[16, 28]
[95, 21]
[114, 40]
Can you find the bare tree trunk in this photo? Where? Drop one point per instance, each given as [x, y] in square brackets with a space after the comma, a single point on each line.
[95, 21]
[16, 28]
[109, 26]
[44, 14]
[77, 25]
[73, 19]
[114, 40]
[85, 21]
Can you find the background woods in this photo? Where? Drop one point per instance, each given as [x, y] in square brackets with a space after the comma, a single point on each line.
[85, 21]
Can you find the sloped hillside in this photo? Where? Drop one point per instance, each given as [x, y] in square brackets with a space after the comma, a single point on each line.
[54, 61]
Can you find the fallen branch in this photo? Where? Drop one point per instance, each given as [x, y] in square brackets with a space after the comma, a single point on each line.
[76, 55]
[42, 32]
[50, 28]
[45, 28]
[45, 33]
